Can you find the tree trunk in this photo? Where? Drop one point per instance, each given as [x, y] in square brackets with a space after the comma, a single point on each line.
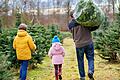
[68, 10]
[0, 26]
[6, 14]
[113, 57]
[38, 9]
[113, 3]
[54, 12]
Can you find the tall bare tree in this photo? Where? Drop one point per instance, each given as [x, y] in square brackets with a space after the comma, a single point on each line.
[113, 3]
[48, 8]
[68, 9]
[5, 9]
[54, 12]
[24, 14]
[38, 8]
[13, 7]
[1, 8]
[25, 5]
[58, 6]
[32, 13]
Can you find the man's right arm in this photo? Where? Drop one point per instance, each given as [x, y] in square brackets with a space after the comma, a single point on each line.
[73, 23]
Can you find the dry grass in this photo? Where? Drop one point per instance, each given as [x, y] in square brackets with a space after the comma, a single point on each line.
[103, 69]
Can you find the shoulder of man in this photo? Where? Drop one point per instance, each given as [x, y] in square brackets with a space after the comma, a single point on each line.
[73, 23]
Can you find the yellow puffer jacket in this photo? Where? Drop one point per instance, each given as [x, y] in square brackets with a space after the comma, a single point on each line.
[24, 45]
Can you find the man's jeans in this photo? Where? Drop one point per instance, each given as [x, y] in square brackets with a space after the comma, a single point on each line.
[23, 69]
[89, 51]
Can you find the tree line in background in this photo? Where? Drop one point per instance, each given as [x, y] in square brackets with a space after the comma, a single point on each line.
[35, 11]
[52, 11]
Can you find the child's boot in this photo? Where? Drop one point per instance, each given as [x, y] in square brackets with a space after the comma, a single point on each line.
[60, 77]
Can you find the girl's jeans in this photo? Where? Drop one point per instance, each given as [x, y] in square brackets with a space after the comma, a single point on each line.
[23, 69]
[89, 51]
[58, 70]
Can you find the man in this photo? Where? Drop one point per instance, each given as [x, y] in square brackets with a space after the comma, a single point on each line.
[24, 46]
[84, 44]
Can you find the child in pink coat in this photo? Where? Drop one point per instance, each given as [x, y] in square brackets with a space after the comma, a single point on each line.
[57, 53]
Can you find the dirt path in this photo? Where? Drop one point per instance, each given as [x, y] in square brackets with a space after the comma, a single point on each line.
[103, 69]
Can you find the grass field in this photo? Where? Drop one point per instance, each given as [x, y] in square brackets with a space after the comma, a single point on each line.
[103, 69]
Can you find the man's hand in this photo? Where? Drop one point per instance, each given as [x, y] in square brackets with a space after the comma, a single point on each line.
[93, 28]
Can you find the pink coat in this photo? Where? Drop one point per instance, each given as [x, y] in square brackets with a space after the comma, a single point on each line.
[57, 53]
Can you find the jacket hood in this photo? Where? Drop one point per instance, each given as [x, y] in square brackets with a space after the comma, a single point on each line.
[21, 33]
[56, 46]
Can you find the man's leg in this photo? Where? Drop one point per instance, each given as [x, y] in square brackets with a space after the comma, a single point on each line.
[80, 59]
[89, 50]
[23, 70]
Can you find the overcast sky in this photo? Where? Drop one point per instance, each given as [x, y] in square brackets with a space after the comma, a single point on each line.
[44, 0]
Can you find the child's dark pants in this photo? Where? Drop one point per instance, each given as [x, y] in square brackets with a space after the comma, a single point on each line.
[58, 70]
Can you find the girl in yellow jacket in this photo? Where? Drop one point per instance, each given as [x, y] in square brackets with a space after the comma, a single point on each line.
[24, 45]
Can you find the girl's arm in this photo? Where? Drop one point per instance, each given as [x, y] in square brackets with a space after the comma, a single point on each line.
[50, 53]
[63, 51]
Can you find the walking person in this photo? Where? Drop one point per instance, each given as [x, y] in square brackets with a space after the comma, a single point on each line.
[84, 44]
[24, 46]
[57, 52]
